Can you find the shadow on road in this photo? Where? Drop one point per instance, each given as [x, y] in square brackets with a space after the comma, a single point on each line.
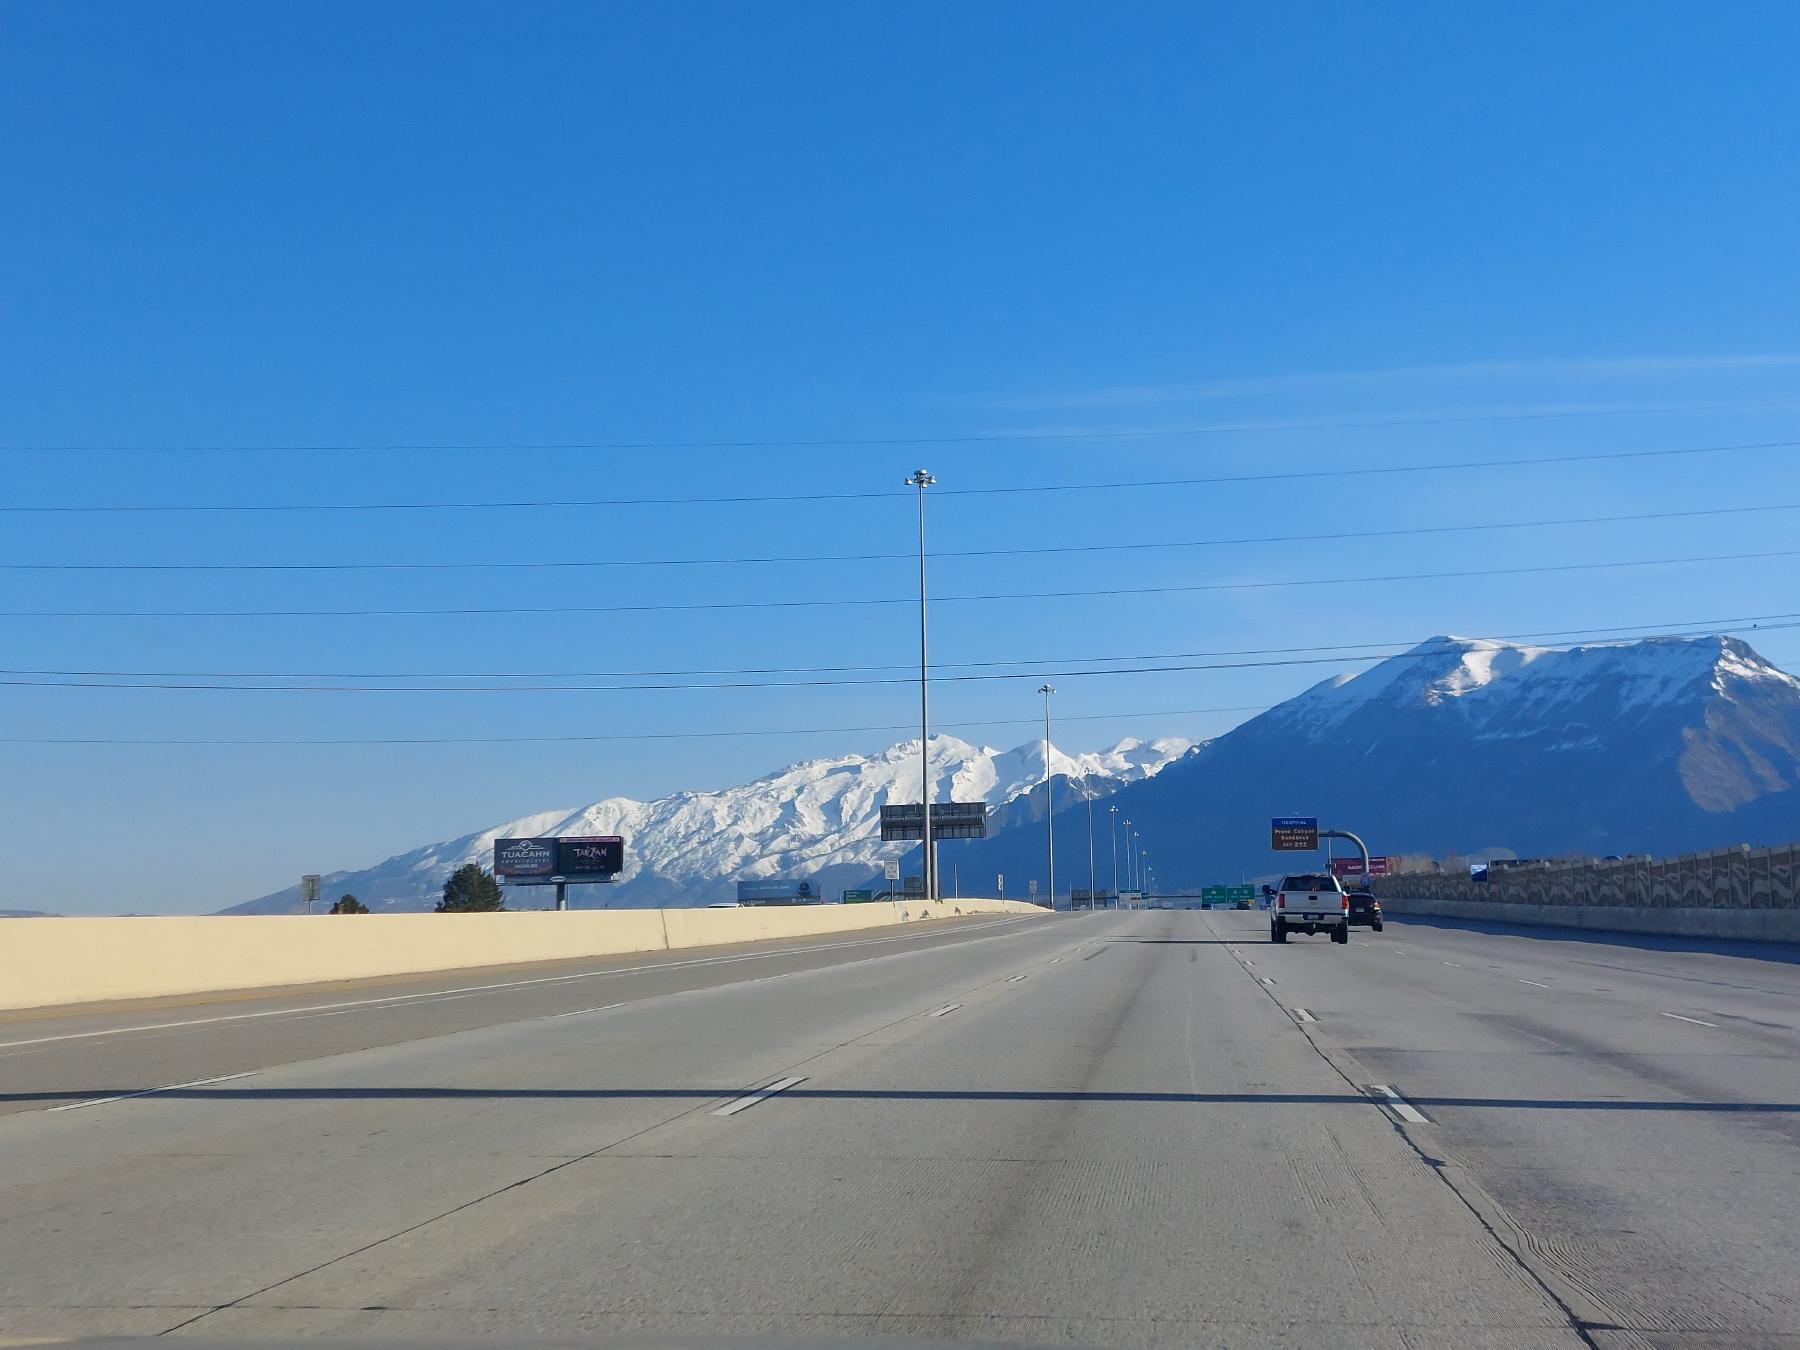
[402, 1094]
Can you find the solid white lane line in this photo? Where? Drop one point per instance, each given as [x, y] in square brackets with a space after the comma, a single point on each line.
[166, 1087]
[1303, 1015]
[946, 1009]
[444, 994]
[1695, 1020]
[1399, 1105]
[1540, 986]
[1014, 979]
[750, 1099]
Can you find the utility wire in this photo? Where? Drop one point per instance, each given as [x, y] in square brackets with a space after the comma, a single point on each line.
[1622, 632]
[620, 736]
[975, 438]
[831, 683]
[814, 558]
[1612, 456]
[471, 611]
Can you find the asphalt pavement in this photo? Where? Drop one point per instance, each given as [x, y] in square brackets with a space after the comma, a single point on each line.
[1113, 1130]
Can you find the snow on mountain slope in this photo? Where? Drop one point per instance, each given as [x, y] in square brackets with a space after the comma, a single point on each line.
[818, 818]
[1666, 746]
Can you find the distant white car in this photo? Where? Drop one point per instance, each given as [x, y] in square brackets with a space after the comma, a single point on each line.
[724, 904]
[1312, 902]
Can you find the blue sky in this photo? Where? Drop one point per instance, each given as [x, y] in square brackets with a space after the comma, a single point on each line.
[1280, 238]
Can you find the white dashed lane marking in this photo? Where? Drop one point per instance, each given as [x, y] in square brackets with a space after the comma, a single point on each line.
[1695, 1020]
[1398, 1104]
[750, 1099]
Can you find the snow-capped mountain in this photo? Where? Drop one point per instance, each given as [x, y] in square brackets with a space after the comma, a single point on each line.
[1466, 744]
[819, 818]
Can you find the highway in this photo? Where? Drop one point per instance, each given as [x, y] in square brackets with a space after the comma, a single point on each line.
[1141, 1129]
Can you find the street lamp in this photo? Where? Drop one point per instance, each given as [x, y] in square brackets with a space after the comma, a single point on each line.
[1049, 796]
[1144, 869]
[1113, 812]
[1090, 802]
[922, 480]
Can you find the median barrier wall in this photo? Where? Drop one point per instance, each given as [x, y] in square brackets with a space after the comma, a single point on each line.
[1753, 925]
[54, 961]
[1740, 892]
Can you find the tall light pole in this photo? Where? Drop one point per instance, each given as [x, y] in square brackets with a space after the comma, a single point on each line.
[1144, 869]
[1049, 796]
[1127, 852]
[1090, 802]
[1113, 814]
[922, 480]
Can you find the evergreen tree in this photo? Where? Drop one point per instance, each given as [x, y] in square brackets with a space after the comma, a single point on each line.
[349, 904]
[470, 890]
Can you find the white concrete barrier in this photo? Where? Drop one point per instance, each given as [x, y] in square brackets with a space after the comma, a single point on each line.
[49, 962]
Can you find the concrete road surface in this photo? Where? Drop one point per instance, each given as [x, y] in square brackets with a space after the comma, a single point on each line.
[1112, 1130]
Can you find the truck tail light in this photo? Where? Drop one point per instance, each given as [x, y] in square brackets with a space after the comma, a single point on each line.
[1281, 901]
[1346, 904]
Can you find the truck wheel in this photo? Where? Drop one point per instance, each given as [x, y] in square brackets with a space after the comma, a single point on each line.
[1341, 933]
[1278, 931]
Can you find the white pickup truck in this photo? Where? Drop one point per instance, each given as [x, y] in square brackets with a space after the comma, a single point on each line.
[1310, 903]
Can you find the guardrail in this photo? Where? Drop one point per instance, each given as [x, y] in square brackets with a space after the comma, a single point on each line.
[54, 961]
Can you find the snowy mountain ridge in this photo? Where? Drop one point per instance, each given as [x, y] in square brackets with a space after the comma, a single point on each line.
[818, 818]
[1662, 745]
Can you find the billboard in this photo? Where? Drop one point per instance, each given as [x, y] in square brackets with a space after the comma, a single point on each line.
[590, 855]
[1379, 866]
[576, 858]
[524, 857]
[949, 820]
[779, 891]
[1293, 834]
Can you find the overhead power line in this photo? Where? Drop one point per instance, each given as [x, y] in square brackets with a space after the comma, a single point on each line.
[1356, 650]
[1296, 475]
[829, 682]
[814, 558]
[971, 438]
[475, 611]
[619, 736]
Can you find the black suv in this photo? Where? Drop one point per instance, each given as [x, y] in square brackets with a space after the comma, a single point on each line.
[1365, 909]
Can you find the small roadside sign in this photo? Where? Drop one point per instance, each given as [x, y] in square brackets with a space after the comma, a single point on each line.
[1293, 834]
[891, 871]
[1033, 886]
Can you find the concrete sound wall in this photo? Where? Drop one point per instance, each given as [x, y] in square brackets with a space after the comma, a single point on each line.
[49, 962]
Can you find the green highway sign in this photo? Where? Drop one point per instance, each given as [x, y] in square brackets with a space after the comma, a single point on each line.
[857, 897]
[1225, 895]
